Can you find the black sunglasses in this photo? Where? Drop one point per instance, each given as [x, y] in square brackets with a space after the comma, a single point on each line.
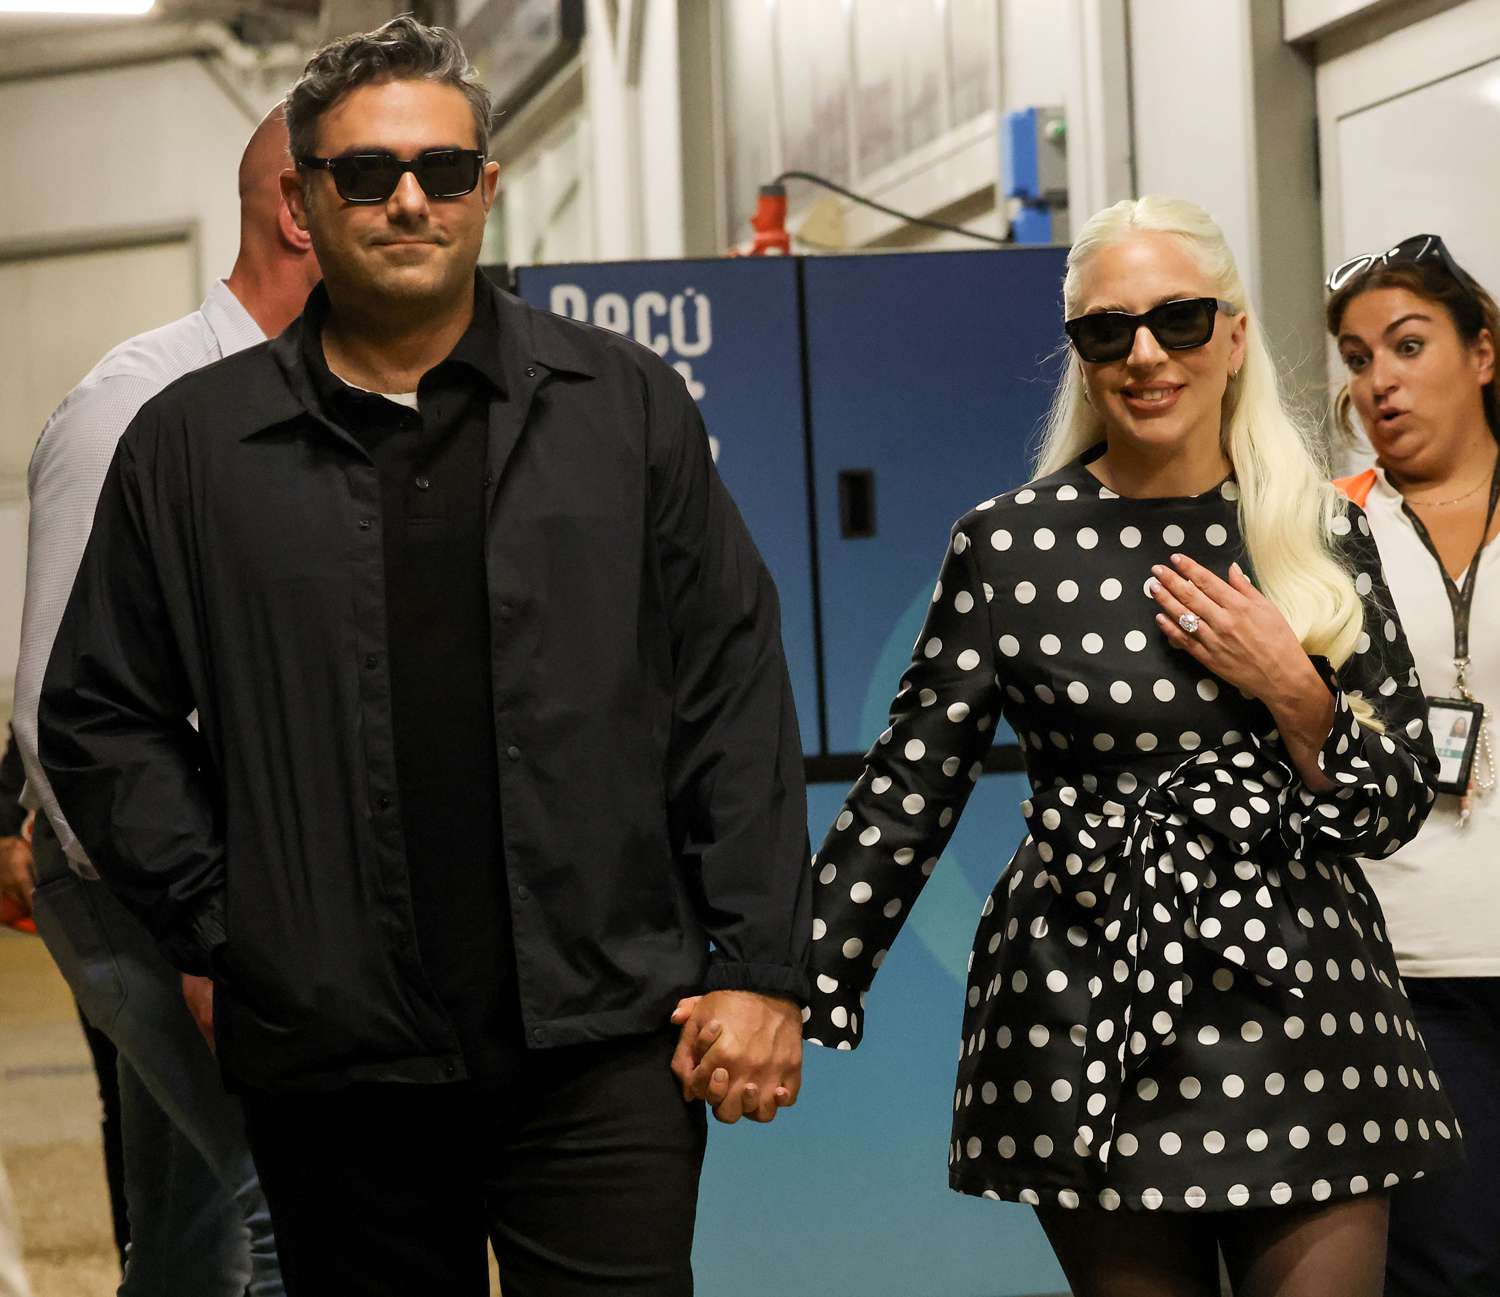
[1419, 247]
[373, 177]
[1104, 336]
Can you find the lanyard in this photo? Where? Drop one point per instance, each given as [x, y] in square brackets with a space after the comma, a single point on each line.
[1461, 600]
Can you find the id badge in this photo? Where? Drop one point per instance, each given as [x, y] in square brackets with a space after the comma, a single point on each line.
[1454, 724]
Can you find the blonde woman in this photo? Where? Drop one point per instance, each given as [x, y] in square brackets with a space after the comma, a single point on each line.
[1184, 1028]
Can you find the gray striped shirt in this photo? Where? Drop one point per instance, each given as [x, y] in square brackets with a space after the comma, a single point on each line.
[66, 475]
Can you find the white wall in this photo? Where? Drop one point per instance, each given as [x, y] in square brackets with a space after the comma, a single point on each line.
[1193, 135]
[92, 153]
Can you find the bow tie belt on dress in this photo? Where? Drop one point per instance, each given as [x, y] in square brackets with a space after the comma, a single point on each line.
[1172, 869]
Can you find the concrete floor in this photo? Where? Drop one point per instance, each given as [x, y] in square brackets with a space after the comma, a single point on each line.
[49, 1129]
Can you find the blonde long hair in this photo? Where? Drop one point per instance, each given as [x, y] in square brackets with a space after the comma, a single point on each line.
[1287, 502]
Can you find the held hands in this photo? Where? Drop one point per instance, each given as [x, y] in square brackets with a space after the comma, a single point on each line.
[740, 1051]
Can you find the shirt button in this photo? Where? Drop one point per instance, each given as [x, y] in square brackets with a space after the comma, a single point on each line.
[489, 478]
[383, 802]
[449, 1069]
[423, 483]
[506, 610]
[538, 1034]
[513, 752]
[522, 894]
[364, 524]
[370, 662]
[530, 371]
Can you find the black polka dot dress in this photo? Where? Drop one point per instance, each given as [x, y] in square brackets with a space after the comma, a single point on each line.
[1181, 995]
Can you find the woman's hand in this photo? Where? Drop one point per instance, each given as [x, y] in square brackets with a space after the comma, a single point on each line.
[1244, 640]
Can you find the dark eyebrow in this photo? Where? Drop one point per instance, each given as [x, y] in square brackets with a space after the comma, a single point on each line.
[380, 150]
[1160, 301]
[1388, 330]
[1396, 324]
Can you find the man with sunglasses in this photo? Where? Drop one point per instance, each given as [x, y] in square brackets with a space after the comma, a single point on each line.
[497, 759]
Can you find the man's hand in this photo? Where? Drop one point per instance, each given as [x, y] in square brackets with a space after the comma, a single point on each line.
[198, 992]
[740, 1051]
[17, 876]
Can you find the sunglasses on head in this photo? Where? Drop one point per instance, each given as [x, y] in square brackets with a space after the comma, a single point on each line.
[1419, 247]
[373, 177]
[1104, 336]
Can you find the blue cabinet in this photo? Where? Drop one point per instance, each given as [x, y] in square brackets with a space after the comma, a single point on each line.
[930, 373]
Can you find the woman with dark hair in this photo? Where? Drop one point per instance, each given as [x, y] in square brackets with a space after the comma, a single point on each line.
[1417, 336]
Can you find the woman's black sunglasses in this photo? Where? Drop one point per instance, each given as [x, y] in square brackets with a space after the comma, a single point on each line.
[1104, 336]
[373, 177]
[1419, 247]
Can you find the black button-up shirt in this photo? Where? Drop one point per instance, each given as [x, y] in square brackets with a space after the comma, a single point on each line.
[431, 467]
[647, 760]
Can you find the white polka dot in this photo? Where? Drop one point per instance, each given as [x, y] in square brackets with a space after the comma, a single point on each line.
[1151, 1199]
[1009, 645]
[1281, 1193]
[1087, 538]
[1025, 592]
[1050, 645]
[1164, 690]
[1000, 540]
[1078, 692]
[915, 750]
[1208, 690]
[1216, 535]
[1092, 643]
[1299, 1137]
[1238, 1194]
[1043, 538]
[860, 893]
[1126, 1145]
[958, 712]
[1130, 537]
[1120, 691]
[1257, 1140]
[1110, 589]
[1135, 641]
[968, 660]
[1067, 591]
[1173, 534]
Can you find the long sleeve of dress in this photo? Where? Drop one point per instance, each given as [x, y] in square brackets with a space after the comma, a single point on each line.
[899, 816]
[1385, 779]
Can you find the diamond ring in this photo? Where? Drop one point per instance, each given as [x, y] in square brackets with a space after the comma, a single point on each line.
[1189, 622]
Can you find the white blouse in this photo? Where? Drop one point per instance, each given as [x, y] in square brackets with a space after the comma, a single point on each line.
[1441, 892]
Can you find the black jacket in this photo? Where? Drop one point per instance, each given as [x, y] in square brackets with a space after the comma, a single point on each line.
[650, 765]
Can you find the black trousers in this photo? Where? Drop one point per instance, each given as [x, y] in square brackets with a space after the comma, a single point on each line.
[582, 1172]
[1445, 1233]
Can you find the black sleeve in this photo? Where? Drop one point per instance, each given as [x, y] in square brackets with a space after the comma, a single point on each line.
[12, 781]
[1385, 779]
[113, 732]
[735, 779]
[898, 818]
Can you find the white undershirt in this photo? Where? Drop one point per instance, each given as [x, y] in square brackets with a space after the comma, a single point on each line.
[1441, 893]
[408, 399]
